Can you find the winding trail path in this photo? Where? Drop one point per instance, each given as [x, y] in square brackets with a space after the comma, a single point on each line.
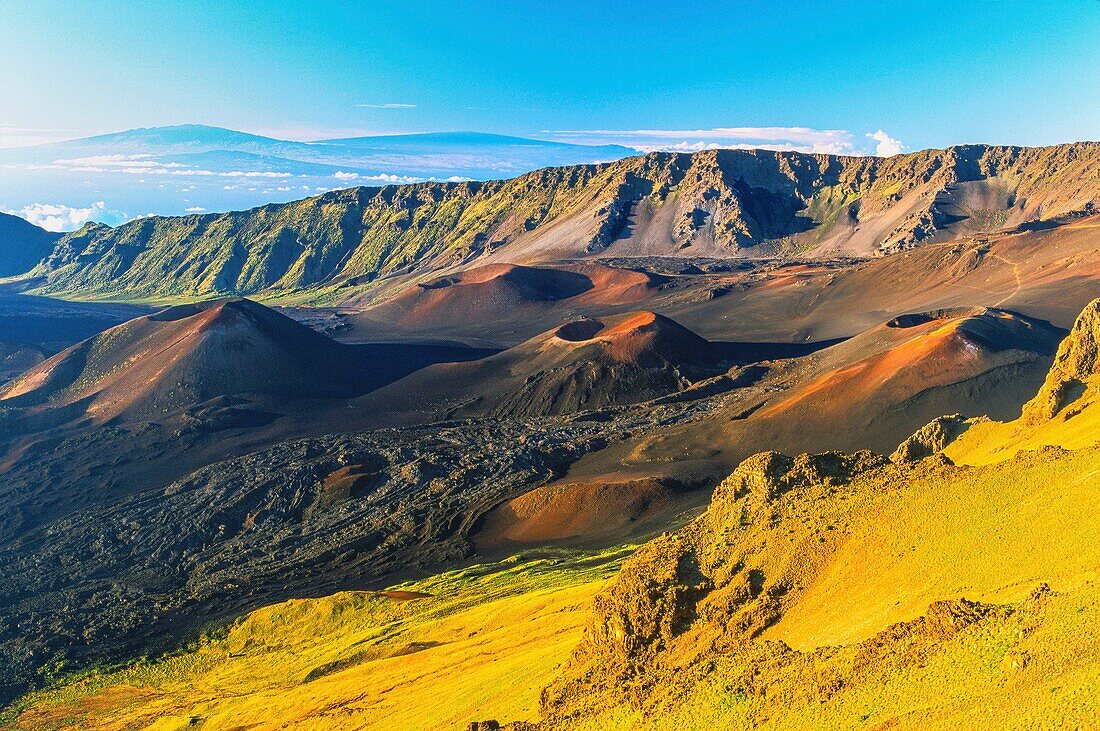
[1015, 273]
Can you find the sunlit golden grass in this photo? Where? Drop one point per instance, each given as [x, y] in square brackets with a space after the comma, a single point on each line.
[492, 636]
[1037, 671]
[989, 534]
[485, 642]
[988, 442]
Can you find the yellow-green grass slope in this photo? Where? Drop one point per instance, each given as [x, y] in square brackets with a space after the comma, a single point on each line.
[487, 638]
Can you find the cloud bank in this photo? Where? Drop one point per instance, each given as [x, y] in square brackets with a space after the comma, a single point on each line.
[798, 139]
[58, 217]
[15, 136]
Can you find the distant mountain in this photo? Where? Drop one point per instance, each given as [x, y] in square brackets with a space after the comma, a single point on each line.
[725, 203]
[177, 169]
[22, 245]
[179, 137]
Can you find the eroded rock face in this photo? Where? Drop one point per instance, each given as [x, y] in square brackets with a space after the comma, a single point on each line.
[767, 475]
[1075, 364]
[709, 584]
[773, 680]
[930, 439]
[653, 601]
[718, 202]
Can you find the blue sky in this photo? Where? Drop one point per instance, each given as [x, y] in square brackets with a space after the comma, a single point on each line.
[810, 75]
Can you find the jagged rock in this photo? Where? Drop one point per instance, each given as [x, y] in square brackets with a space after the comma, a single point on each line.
[1075, 363]
[930, 439]
[767, 475]
[484, 726]
[700, 586]
[652, 600]
[947, 618]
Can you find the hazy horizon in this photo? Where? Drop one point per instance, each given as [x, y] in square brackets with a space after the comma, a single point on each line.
[779, 76]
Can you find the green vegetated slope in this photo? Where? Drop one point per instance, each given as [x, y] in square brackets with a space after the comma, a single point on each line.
[710, 203]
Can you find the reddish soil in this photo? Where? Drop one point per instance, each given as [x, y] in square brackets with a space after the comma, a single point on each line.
[501, 292]
[596, 509]
[628, 338]
[187, 355]
[612, 286]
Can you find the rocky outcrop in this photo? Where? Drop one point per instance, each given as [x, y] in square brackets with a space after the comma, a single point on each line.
[705, 586]
[767, 475]
[930, 439]
[1075, 366]
[691, 611]
[653, 601]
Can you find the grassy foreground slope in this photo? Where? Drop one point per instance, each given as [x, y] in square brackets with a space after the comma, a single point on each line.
[486, 638]
[923, 596]
[1027, 666]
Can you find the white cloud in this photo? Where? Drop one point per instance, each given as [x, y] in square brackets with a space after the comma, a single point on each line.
[393, 179]
[195, 209]
[125, 164]
[127, 161]
[390, 105]
[379, 178]
[887, 146]
[142, 165]
[58, 217]
[799, 139]
[15, 136]
[254, 174]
